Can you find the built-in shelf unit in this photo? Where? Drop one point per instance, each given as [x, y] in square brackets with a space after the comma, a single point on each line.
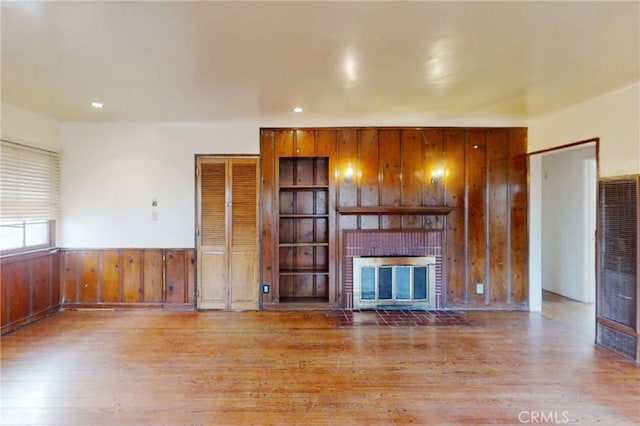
[303, 229]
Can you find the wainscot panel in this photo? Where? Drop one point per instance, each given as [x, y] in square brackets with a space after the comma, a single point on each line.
[128, 278]
[30, 288]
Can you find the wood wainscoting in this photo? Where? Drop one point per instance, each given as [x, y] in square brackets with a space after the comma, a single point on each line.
[39, 284]
[30, 288]
[128, 278]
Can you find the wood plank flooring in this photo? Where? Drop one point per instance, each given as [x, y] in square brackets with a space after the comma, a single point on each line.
[304, 368]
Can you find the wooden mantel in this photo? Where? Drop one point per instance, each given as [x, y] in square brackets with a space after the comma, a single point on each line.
[397, 210]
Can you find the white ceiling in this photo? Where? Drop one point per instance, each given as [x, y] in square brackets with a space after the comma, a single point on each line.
[378, 62]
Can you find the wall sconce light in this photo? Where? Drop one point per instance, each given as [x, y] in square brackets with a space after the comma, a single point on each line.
[348, 173]
[436, 176]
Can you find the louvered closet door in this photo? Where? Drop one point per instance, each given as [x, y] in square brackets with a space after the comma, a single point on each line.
[244, 232]
[212, 250]
[228, 233]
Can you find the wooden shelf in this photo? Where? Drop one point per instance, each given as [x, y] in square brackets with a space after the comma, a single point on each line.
[304, 244]
[303, 230]
[296, 187]
[303, 216]
[300, 300]
[397, 210]
[304, 272]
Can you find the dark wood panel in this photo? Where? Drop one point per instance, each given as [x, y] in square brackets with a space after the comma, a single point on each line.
[518, 172]
[152, 276]
[4, 297]
[347, 158]
[88, 271]
[191, 276]
[497, 164]
[305, 143]
[326, 145]
[412, 175]
[28, 288]
[110, 276]
[70, 278]
[369, 172]
[283, 143]
[40, 284]
[476, 181]
[18, 277]
[433, 160]
[267, 246]
[369, 168]
[175, 276]
[56, 282]
[390, 191]
[454, 188]
[131, 276]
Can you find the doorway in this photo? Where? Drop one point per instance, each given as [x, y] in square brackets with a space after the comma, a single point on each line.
[563, 222]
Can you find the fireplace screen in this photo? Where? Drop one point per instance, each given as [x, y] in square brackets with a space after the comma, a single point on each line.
[394, 282]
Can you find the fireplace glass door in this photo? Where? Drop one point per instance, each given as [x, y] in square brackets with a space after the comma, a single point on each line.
[394, 281]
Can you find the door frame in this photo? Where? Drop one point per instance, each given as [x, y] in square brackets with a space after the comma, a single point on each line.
[535, 215]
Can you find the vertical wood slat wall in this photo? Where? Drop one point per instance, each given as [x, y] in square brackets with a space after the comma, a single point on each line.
[128, 278]
[36, 285]
[485, 181]
[30, 288]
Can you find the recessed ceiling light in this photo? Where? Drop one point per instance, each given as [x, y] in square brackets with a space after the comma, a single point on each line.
[298, 109]
[97, 105]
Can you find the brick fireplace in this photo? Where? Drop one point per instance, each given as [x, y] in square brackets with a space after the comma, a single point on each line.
[376, 243]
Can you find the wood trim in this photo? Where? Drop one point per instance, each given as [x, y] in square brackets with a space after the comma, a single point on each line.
[113, 306]
[301, 306]
[397, 210]
[21, 257]
[419, 128]
[617, 326]
[569, 145]
[8, 328]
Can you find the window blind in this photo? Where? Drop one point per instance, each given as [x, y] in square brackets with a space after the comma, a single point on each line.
[29, 183]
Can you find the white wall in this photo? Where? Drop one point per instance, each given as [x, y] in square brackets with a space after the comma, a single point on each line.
[111, 172]
[19, 125]
[613, 117]
[564, 220]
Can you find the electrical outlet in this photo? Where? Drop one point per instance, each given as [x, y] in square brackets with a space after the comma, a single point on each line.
[479, 288]
[265, 288]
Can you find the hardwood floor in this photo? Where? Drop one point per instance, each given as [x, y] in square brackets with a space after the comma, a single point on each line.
[209, 368]
[581, 317]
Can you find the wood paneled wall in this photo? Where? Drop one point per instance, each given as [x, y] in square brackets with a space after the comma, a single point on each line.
[30, 288]
[485, 183]
[39, 284]
[128, 278]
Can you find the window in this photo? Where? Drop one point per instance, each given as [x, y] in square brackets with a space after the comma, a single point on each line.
[29, 197]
